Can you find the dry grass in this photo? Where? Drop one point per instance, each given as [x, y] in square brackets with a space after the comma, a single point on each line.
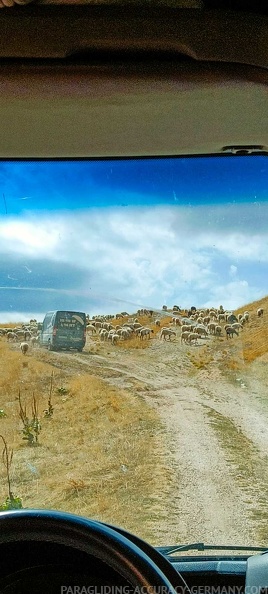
[100, 455]
[248, 468]
[255, 334]
[202, 358]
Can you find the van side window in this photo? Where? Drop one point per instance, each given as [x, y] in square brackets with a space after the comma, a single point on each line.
[47, 321]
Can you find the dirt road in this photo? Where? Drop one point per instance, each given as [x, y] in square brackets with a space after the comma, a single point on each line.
[215, 427]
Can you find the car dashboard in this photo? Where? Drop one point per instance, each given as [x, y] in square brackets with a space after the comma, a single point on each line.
[49, 551]
[47, 569]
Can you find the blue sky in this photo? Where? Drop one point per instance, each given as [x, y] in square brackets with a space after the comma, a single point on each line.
[105, 236]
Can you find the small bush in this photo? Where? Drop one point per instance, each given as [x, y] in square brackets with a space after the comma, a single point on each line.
[31, 427]
[12, 501]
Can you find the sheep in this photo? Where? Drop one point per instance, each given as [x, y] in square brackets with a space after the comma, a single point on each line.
[192, 336]
[176, 321]
[184, 335]
[107, 326]
[167, 332]
[11, 336]
[218, 330]
[145, 332]
[34, 340]
[221, 317]
[260, 312]
[157, 322]
[200, 330]
[242, 320]
[22, 334]
[212, 314]
[24, 347]
[125, 333]
[137, 330]
[91, 328]
[110, 335]
[212, 327]
[230, 332]
[129, 329]
[115, 338]
[237, 326]
[186, 327]
[200, 320]
[103, 334]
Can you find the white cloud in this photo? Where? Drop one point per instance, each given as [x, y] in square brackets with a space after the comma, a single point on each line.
[233, 294]
[148, 255]
[233, 271]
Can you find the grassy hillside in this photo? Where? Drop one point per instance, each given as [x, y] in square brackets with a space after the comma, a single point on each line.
[255, 334]
[99, 455]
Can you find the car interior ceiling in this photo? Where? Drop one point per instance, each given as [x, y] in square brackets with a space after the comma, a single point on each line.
[155, 71]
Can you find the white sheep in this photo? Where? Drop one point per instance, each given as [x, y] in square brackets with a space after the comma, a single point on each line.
[243, 320]
[185, 335]
[167, 332]
[125, 333]
[91, 328]
[192, 336]
[237, 326]
[186, 327]
[260, 312]
[115, 338]
[34, 340]
[145, 332]
[212, 327]
[103, 334]
[212, 314]
[176, 321]
[221, 317]
[217, 330]
[11, 336]
[24, 347]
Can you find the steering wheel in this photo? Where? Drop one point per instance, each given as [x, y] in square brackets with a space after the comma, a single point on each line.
[134, 560]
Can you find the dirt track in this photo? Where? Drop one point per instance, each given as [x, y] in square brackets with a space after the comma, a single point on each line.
[216, 434]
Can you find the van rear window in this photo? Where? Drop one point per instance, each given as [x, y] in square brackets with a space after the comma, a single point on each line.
[67, 320]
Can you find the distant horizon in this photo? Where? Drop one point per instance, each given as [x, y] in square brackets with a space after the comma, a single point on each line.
[39, 316]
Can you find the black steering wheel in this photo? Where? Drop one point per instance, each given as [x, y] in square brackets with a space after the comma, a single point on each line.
[142, 566]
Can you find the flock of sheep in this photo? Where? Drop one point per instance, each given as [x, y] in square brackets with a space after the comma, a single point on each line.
[199, 323]
[107, 331]
[25, 335]
[196, 324]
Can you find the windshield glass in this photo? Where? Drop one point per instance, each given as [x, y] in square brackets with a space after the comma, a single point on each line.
[133, 338]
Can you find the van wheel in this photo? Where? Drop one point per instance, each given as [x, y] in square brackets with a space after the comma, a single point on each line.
[79, 350]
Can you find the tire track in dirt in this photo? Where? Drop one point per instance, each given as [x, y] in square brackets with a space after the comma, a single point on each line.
[208, 502]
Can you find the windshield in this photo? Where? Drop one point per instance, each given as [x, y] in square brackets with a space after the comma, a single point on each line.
[133, 322]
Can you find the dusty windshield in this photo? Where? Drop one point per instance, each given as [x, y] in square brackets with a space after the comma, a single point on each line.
[153, 416]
